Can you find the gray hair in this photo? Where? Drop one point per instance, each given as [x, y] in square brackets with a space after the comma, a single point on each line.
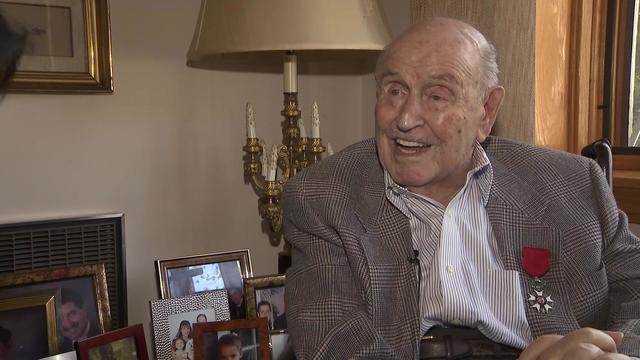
[486, 50]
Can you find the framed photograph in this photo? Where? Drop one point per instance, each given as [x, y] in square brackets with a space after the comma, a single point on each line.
[173, 320]
[195, 274]
[235, 339]
[82, 308]
[71, 241]
[265, 299]
[29, 322]
[68, 45]
[122, 344]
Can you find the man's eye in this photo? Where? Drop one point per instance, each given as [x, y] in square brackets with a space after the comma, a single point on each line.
[395, 91]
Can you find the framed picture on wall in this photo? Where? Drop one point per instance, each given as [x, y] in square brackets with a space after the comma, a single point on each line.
[123, 344]
[29, 321]
[200, 273]
[82, 306]
[235, 339]
[173, 320]
[67, 47]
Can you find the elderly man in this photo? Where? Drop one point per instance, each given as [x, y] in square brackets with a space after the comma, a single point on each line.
[487, 246]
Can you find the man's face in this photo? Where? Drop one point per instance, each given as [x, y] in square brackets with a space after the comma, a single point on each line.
[264, 311]
[229, 352]
[429, 110]
[236, 296]
[74, 321]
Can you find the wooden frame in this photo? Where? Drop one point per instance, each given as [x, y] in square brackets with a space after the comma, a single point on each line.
[86, 349]
[206, 337]
[87, 281]
[45, 300]
[169, 315]
[82, 61]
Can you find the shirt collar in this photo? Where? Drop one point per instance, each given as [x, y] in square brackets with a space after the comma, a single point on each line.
[481, 172]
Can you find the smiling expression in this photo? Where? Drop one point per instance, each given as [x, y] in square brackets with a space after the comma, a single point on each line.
[430, 109]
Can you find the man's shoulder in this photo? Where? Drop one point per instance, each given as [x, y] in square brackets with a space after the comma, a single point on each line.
[353, 164]
[515, 155]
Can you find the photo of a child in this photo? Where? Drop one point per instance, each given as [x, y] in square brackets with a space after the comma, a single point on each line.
[229, 347]
[179, 352]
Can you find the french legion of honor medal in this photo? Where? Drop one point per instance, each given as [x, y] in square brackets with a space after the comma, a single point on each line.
[535, 262]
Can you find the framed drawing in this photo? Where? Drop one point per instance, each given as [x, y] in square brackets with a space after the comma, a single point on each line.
[29, 322]
[68, 45]
[173, 321]
[235, 339]
[124, 344]
[83, 305]
[195, 274]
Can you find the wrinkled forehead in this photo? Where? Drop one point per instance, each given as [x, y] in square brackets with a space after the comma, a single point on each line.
[435, 44]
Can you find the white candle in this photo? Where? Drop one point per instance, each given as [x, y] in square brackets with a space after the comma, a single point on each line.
[290, 82]
[315, 121]
[329, 149]
[273, 164]
[251, 123]
[303, 131]
[263, 159]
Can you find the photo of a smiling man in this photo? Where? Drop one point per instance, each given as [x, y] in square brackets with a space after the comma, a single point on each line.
[76, 323]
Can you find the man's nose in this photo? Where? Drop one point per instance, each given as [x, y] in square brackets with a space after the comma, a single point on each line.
[411, 114]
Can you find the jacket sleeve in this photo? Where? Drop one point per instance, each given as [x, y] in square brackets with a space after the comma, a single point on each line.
[326, 308]
[621, 256]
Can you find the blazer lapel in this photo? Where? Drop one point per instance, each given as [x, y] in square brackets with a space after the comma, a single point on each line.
[385, 240]
[516, 213]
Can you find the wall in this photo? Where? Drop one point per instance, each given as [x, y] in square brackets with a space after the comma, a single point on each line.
[165, 148]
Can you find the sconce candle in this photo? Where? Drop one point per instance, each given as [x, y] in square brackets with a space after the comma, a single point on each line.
[273, 163]
[303, 131]
[315, 121]
[251, 123]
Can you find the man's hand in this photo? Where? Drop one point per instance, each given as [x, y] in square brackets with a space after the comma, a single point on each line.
[585, 343]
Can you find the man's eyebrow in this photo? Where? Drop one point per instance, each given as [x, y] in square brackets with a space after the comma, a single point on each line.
[387, 73]
[448, 78]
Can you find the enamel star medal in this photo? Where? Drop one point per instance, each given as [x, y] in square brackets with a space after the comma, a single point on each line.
[535, 262]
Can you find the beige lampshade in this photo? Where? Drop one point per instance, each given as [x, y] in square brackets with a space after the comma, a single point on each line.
[262, 30]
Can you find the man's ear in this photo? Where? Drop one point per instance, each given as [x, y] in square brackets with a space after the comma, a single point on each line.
[492, 104]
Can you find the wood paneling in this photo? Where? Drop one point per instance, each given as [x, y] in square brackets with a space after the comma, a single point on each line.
[552, 73]
[510, 26]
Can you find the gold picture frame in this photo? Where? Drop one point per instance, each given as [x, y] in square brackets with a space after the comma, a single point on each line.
[23, 303]
[85, 281]
[68, 46]
[268, 288]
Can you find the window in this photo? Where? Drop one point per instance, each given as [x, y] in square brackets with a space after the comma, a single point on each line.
[621, 106]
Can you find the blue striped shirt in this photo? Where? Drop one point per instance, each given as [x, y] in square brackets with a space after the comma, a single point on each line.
[463, 282]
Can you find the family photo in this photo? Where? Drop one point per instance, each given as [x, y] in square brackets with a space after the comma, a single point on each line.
[181, 330]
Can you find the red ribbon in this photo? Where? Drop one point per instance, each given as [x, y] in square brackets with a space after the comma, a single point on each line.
[535, 260]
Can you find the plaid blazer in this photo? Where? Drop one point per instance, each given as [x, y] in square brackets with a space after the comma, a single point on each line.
[352, 291]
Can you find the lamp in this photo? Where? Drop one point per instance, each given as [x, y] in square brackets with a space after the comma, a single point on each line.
[251, 33]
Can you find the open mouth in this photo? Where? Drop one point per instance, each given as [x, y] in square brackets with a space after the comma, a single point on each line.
[406, 144]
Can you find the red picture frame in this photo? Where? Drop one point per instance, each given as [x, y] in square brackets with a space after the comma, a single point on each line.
[105, 342]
